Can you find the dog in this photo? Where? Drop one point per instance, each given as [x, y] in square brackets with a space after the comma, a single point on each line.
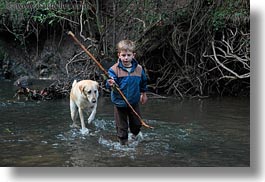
[83, 99]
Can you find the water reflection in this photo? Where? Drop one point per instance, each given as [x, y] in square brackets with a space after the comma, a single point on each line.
[211, 132]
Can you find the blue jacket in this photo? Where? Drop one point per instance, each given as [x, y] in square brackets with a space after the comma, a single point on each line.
[130, 83]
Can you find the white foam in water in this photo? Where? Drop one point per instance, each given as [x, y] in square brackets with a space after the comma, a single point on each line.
[72, 135]
[116, 146]
[118, 150]
[44, 142]
[84, 131]
[100, 124]
[107, 127]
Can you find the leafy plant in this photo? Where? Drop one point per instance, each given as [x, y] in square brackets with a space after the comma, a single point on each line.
[228, 10]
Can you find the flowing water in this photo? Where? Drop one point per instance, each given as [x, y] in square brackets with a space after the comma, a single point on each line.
[207, 132]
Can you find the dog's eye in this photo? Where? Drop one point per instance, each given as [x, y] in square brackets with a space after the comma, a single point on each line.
[89, 92]
[95, 91]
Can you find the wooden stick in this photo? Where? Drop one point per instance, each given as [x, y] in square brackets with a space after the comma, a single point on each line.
[107, 75]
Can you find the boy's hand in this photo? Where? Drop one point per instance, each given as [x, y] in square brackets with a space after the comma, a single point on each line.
[111, 82]
[143, 98]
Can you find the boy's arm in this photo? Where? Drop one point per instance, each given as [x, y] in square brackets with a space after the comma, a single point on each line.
[143, 98]
[143, 88]
[143, 83]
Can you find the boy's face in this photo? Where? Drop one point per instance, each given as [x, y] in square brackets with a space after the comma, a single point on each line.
[126, 57]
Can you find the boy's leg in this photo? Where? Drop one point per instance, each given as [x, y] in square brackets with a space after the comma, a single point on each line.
[120, 115]
[134, 122]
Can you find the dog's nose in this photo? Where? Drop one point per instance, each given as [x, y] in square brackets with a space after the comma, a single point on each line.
[94, 100]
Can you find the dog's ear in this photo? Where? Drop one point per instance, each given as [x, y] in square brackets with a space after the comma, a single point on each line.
[81, 88]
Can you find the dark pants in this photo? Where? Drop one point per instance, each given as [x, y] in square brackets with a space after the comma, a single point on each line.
[123, 117]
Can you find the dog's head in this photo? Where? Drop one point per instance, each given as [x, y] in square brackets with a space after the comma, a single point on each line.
[90, 90]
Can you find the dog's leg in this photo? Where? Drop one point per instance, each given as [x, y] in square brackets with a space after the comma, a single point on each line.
[93, 114]
[84, 130]
[74, 114]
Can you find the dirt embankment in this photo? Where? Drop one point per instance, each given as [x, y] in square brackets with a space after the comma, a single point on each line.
[45, 60]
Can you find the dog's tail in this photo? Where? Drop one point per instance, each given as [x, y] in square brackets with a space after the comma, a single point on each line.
[74, 83]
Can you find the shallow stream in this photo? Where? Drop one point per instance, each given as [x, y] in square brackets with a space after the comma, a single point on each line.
[207, 132]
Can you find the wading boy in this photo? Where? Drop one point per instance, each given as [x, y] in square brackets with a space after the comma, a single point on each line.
[132, 81]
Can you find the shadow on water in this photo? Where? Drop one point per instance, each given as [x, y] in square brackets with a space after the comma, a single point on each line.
[211, 132]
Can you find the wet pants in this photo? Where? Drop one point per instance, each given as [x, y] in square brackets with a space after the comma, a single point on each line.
[125, 118]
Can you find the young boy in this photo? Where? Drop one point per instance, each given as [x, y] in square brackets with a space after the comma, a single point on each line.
[132, 81]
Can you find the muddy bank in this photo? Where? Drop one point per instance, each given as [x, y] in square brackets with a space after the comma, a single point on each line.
[43, 60]
[58, 60]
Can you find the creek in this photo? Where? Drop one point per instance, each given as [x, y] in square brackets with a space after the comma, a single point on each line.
[187, 133]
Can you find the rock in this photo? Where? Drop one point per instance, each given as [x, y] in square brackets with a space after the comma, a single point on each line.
[23, 82]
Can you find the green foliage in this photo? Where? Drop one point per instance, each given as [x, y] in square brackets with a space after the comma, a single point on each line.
[2, 7]
[219, 19]
[228, 10]
[38, 11]
[24, 17]
[3, 54]
[21, 17]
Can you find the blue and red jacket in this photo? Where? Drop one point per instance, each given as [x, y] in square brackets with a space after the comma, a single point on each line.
[130, 83]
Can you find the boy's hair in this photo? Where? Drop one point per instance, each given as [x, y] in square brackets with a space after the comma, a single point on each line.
[126, 45]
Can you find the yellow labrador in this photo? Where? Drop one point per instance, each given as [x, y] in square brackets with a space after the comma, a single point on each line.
[83, 98]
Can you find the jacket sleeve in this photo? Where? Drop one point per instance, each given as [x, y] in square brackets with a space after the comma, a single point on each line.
[143, 83]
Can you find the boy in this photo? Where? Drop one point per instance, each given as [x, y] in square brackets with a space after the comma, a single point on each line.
[132, 81]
